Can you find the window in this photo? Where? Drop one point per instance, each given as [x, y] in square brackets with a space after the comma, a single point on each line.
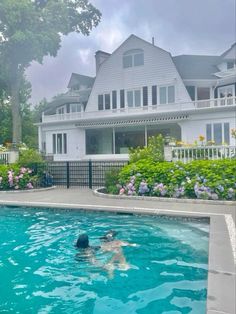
[75, 107]
[138, 59]
[61, 110]
[218, 132]
[99, 141]
[203, 93]
[191, 91]
[167, 94]
[133, 58]
[154, 95]
[134, 98]
[122, 98]
[114, 99]
[162, 95]
[107, 102]
[100, 102]
[145, 96]
[127, 61]
[59, 143]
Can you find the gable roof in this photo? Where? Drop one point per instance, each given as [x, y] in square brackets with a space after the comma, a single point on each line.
[227, 51]
[197, 67]
[79, 79]
[69, 97]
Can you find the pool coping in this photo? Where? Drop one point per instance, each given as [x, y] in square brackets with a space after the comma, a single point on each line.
[222, 256]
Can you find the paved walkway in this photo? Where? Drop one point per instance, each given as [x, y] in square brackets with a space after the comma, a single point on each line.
[76, 196]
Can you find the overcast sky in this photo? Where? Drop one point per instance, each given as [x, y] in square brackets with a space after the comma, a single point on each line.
[178, 26]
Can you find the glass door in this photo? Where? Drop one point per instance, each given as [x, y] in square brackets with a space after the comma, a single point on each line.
[226, 93]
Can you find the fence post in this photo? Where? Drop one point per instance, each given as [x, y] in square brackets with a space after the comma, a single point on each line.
[90, 174]
[67, 174]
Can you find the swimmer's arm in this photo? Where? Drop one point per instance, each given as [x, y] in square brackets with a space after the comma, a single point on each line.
[124, 243]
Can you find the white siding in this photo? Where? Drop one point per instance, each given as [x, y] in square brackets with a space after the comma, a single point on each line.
[196, 125]
[75, 141]
[158, 69]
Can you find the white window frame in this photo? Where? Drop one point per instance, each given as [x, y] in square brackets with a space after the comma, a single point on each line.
[225, 88]
[222, 128]
[132, 53]
[166, 94]
[77, 106]
[62, 143]
[133, 97]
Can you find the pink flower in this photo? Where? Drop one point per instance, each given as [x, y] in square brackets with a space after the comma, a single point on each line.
[23, 170]
[122, 191]
[29, 185]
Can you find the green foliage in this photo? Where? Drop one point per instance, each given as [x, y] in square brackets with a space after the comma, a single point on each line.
[28, 157]
[112, 181]
[204, 179]
[30, 30]
[14, 177]
[153, 152]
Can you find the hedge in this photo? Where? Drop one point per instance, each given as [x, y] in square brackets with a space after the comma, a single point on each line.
[203, 179]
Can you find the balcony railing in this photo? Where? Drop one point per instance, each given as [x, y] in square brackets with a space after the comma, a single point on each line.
[166, 108]
[186, 154]
[9, 157]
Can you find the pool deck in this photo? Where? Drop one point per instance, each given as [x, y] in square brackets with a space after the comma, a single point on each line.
[222, 254]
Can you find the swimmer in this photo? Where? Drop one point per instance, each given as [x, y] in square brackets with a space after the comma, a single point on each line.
[86, 251]
[118, 260]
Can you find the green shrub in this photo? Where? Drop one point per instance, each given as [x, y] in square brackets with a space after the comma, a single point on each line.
[205, 179]
[112, 181]
[153, 152]
[31, 158]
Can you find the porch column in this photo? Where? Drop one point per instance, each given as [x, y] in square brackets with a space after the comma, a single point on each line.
[114, 140]
[40, 138]
[145, 136]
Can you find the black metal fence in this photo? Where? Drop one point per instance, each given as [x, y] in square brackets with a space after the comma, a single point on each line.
[81, 173]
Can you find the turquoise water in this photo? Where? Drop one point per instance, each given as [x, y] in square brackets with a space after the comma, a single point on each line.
[39, 271]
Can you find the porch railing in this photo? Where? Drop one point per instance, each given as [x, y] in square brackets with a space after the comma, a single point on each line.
[166, 108]
[186, 154]
[4, 158]
[8, 157]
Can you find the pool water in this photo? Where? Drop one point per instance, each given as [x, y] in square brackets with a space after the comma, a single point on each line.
[39, 271]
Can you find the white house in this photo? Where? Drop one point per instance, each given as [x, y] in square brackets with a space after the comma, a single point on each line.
[140, 90]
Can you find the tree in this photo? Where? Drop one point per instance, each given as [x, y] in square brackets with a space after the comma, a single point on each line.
[32, 29]
[29, 130]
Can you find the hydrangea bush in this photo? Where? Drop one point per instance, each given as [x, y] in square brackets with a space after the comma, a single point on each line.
[202, 179]
[15, 177]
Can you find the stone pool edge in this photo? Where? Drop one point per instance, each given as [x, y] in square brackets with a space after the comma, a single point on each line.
[221, 273]
[97, 192]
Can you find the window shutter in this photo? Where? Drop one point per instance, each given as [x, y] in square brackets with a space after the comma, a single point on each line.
[107, 102]
[122, 98]
[154, 95]
[114, 99]
[100, 102]
[145, 96]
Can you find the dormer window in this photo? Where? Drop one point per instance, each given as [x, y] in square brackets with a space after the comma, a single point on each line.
[133, 58]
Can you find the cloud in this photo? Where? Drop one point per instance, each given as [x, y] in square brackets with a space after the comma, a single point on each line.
[179, 26]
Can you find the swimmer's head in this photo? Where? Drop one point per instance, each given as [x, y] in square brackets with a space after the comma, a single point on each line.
[109, 235]
[82, 242]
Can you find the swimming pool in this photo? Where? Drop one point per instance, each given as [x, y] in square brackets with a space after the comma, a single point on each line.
[40, 273]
